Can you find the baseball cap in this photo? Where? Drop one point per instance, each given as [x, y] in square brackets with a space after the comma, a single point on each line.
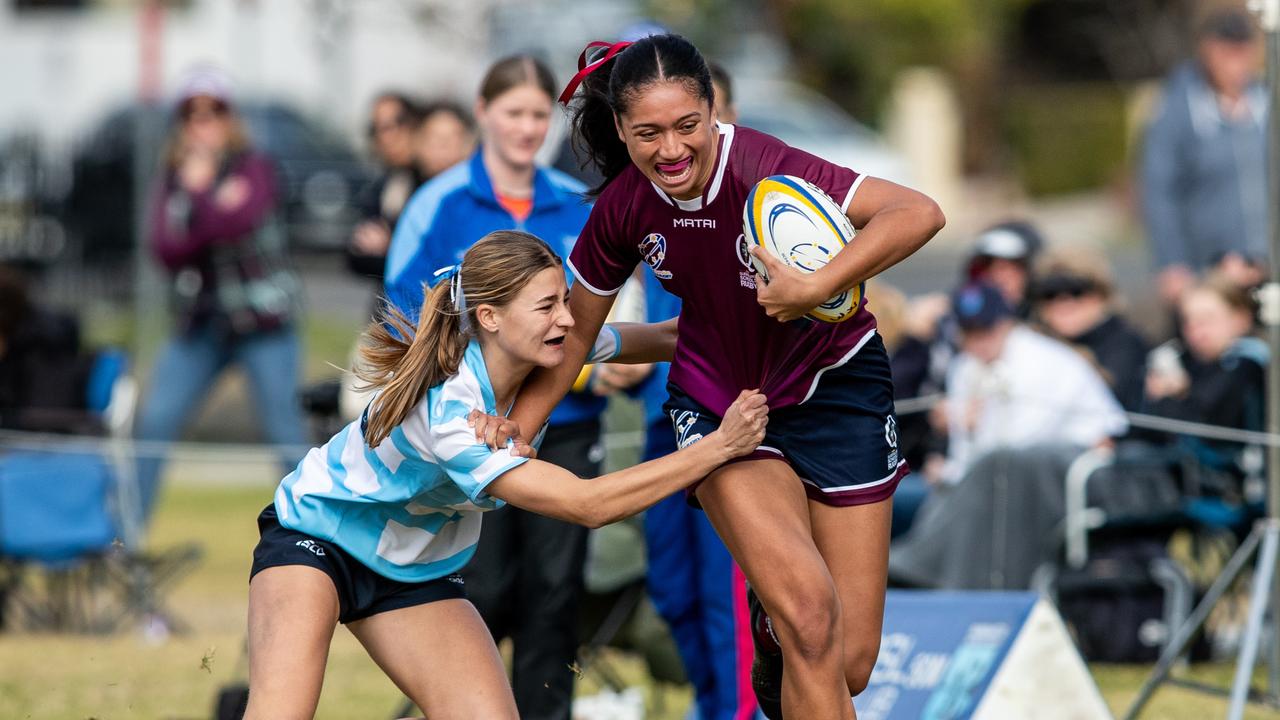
[1014, 240]
[978, 306]
[1229, 25]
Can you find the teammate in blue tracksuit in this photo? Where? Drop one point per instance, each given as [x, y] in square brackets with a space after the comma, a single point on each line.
[520, 554]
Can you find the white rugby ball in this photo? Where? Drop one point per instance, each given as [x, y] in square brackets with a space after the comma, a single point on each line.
[804, 228]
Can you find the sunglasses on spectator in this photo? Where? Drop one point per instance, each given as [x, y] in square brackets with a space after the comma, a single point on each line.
[396, 123]
[1061, 287]
[192, 110]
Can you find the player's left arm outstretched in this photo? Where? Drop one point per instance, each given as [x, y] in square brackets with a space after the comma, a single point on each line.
[893, 222]
[632, 344]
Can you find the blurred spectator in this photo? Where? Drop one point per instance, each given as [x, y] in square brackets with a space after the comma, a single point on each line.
[445, 137]
[925, 344]
[1075, 300]
[213, 224]
[1012, 386]
[521, 555]
[393, 125]
[891, 313]
[43, 372]
[1203, 169]
[722, 84]
[414, 144]
[1020, 406]
[1002, 257]
[1216, 374]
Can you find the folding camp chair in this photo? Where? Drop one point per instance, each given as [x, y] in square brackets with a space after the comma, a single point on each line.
[1116, 583]
[70, 537]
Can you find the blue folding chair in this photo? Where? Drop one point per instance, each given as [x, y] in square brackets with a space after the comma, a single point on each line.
[70, 553]
[55, 518]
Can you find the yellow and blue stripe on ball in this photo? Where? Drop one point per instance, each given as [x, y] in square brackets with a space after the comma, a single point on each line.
[802, 192]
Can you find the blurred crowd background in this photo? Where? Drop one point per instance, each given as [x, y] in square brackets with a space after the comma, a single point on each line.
[1025, 110]
[1100, 162]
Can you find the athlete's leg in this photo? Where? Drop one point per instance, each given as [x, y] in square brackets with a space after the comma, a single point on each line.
[761, 511]
[441, 655]
[854, 541]
[293, 610]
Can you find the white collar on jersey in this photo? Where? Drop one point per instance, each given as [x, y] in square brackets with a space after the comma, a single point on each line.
[713, 189]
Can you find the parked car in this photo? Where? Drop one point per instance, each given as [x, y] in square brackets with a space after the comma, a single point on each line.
[807, 120]
[320, 176]
[31, 234]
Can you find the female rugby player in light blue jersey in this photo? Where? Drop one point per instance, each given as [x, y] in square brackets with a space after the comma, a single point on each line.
[807, 514]
[371, 529]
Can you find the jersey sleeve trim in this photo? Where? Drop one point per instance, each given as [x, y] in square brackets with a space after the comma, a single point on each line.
[498, 463]
[577, 276]
[848, 198]
[607, 346]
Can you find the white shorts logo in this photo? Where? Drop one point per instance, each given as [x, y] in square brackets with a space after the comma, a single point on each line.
[891, 437]
[684, 421]
[315, 547]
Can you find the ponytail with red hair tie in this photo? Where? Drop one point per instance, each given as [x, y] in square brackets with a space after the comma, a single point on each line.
[586, 68]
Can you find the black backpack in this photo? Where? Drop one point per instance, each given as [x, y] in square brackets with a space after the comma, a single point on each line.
[1122, 605]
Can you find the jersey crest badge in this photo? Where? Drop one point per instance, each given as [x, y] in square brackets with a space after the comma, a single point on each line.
[654, 250]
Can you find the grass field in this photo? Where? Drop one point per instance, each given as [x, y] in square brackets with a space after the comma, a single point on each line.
[126, 676]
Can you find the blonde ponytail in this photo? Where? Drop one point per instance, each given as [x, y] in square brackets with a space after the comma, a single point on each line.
[401, 362]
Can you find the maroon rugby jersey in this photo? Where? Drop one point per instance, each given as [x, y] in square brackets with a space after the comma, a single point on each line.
[696, 249]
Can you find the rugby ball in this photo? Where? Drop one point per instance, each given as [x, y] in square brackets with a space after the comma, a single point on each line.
[804, 228]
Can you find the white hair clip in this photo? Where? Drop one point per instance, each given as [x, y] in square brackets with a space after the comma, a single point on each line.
[453, 273]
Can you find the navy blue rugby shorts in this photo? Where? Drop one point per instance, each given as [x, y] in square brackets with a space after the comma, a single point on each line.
[361, 591]
[842, 442]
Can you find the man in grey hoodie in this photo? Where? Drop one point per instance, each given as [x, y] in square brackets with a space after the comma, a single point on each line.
[1204, 161]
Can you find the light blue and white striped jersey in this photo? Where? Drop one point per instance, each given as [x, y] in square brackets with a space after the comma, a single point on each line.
[409, 509]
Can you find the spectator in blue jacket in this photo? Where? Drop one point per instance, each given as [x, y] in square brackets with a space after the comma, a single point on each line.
[1204, 175]
[521, 554]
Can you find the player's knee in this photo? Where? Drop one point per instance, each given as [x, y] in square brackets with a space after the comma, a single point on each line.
[809, 619]
[857, 669]
[860, 653]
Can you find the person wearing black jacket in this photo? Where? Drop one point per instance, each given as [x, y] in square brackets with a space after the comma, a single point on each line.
[42, 370]
[1216, 374]
[393, 123]
[1074, 298]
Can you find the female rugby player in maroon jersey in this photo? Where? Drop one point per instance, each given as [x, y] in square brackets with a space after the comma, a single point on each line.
[807, 515]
